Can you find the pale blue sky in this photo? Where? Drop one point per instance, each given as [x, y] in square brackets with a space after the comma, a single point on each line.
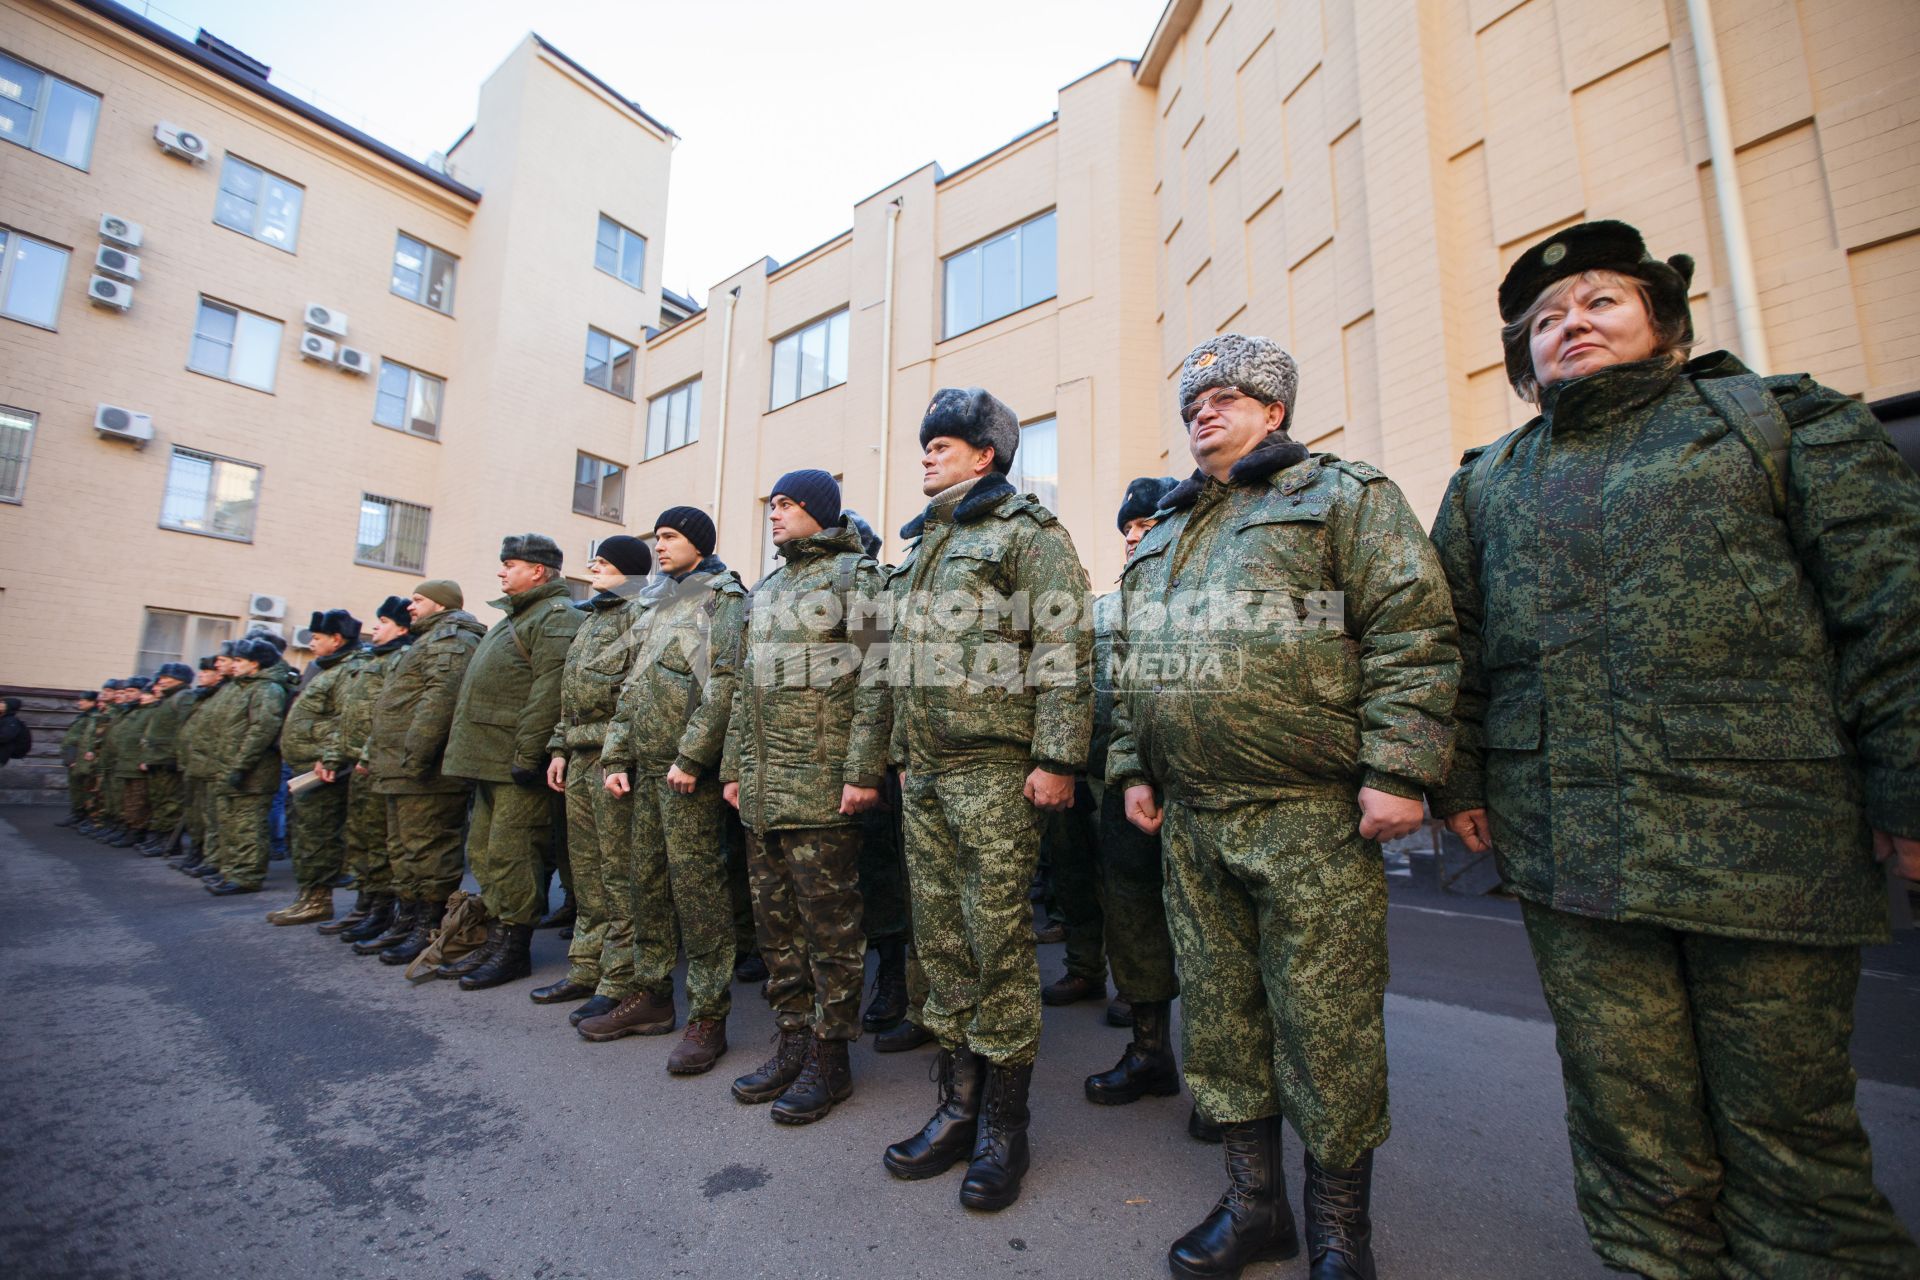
[828, 99]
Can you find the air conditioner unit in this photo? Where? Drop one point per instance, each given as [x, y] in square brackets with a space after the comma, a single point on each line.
[266, 606]
[303, 638]
[184, 143]
[354, 360]
[120, 231]
[104, 291]
[316, 348]
[116, 262]
[326, 320]
[115, 423]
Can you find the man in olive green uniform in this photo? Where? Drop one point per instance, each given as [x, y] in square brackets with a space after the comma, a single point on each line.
[426, 808]
[663, 748]
[159, 762]
[599, 823]
[95, 759]
[1285, 672]
[367, 854]
[508, 705]
[1689, 605]
[129, 808]
[194, 748]
[806, 745]
[317, 816]
[246, 733]
[991, 604]
[73, 749]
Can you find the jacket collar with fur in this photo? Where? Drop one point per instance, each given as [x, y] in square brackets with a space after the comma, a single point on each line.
[1276, 453]
[979, 501]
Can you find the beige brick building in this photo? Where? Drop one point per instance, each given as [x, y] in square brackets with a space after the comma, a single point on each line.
[1348, 179]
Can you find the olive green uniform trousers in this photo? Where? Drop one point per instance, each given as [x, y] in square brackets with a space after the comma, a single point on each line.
[1133, 905]
[317, 834]
[243, 821]
[509, 838]
[599, 828]
[367, 854]
[425, 834]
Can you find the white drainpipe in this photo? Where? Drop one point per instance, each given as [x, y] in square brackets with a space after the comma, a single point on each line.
[881, 525]
[1726, 186]
[726, 371]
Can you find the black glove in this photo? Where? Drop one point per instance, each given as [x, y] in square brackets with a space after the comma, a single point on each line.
[528, 777]
[237, 779]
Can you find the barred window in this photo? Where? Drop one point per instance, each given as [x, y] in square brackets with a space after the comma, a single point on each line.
[210, 495]
[393, 534]
[16, 445]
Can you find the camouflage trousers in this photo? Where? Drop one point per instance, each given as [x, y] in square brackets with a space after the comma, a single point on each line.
[1278, 912]
[733, 835]
[973, 841]
[508, 837]
[199, 813]
[1067, 846]
[680, 876]
[425, 834]
[317, 833]
[79, 783]
[367, 854]
[110, 798]
[885, 910]
[1133, 905]
[1710, 1103]
[166, 799]
[599, 825]
[806, 902]
[242, 820]
[135, 813]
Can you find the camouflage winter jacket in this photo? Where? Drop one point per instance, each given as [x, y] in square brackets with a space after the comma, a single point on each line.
[675, 703]
[804, 723]
[1008, 677]
[124, 738]
[360, 690]
[1689, 694]
[1285, 634]
[193, 747]
[160, 739]
[313, 721]
[1106, 621]
[414, 709]
[597, 662]
[510, 697]
[75, 742]
[245, 732]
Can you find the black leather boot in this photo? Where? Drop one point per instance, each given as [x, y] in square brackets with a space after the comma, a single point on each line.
[593, 1008]
[1000, 1148]
[428, 919]
[510, 961]
[127, 838]
[154, 846]
[1252, 1222]
[1339, 1221]
[903, 1036]
[790, 1054]
[466, 964]
[190, 866]
[1201, 1129]
[561, 916]
[362, 907]
[1147, 1067]
[889, 1004]
[950, 1134]
[379, 916]
[825, 1080]
[399, 925]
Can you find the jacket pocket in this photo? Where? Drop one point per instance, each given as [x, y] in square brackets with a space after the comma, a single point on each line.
[1512, 724]
[1748, 731]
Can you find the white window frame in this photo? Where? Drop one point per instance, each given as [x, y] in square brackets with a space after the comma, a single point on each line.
[8, 252]
[1016, 473]
[259, 230]
[415, 378]
[17, 492]
[245, 333]
[428, 253]
[388, 542]
[206, 516]
[791, 347]
[975, 255]
[631, 355]
[626, 242]
[684, 399]
[42, 99]
[598, 509]
[210, 630]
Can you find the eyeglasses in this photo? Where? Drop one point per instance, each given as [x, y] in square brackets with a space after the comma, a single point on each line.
[1213, 400]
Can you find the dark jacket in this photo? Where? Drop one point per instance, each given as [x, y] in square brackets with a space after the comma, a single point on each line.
[414, 710]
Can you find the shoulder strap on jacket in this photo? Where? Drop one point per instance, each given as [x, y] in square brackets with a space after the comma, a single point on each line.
[1750, 409]
[1480, 471]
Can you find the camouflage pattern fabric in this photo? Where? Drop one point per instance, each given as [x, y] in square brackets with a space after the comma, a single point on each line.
[108, 781]
[508, 832]
[1133, 906]
[425, 833]
[75, 743]
[1068, 845]
[317, 833]
[367, 855]
[973, 841]
[679, 689]
[243, 836]
[886, 912]
[166, 801]
[197, 746]
[600, 826]
[510, 695]
[806, 901]
[733, 838]
[312, 729]
[124, 739]
[1710, 1103]
[199, 810]
[413, 712]
[1680, 706]
[1278, 912]
[245, 732]
[365, 677]
[679, 874]
[134, 811]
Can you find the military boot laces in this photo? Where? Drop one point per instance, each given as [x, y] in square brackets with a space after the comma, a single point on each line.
[399, 925]
[826, 1079]
[1147, 1067]
[889, 1003]
[1339, 1222]
[1000, 1149]
[948, 1137]
[511, 961]
[418, 939]
[375, 923]
[1252, 1221]
[790, 1056]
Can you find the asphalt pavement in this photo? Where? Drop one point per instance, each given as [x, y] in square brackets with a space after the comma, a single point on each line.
[188, 1091]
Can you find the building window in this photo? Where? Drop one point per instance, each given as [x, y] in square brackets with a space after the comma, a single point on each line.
[409, 400]
[393, 534]
[609, 363]
[32, 273]
[16, 446]
[46, 114]
[180, 637]
[1036, 463]
[210, 495]
[259, 204]
[673, 419]
[810, 360]
[599, 487]
[236, 345]
[423, 273]
[998, 277]
[620, 252]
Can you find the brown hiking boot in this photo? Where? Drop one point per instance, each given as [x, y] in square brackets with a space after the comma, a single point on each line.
[641, 1014]
[700, 1048]
[312, 906]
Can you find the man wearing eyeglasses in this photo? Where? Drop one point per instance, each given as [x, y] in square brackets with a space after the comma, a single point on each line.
[1284, 674]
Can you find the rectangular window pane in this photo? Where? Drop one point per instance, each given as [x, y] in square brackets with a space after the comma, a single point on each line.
[613, 492]
[837, 329]
[813, 359]
[256, 349]
[786, 361]
[373, 531]
[212, 340]
[236, 490]
[239, 199]
[66, 133]
[211, 495]
[162, 641]
[423, 412]
[692, 393]
[390, 401]
[1036, 464]
[19, 91]
[657, 427]
[623, 363]
[963, 292]
[35, 274]
[677, 419]
[280, 213]
[633, 257]
[586, 483]
[999, 277]
[440, 272]
[189, 484]
[393, 534]
[597, 358]
[606, 246]
[1038, 254]
[409, 267]
[16, 443]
